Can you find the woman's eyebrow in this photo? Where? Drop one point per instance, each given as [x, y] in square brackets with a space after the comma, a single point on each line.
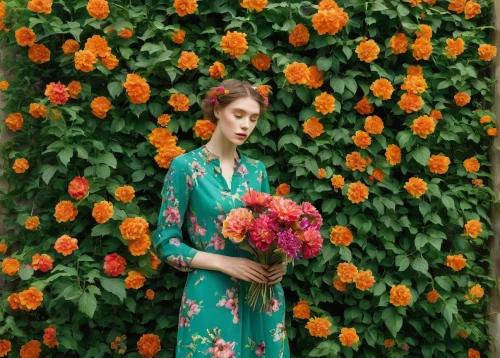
[242, 110]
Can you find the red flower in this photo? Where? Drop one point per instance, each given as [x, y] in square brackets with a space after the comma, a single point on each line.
[78, 188]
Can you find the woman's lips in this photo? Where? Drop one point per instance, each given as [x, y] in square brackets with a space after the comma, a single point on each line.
[241, 135]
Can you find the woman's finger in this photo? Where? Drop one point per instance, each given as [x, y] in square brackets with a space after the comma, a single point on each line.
[275, 281]
[257, 267]
[255, 278]
[263, 277]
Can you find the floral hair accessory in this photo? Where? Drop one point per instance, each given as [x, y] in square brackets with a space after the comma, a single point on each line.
[215, 94]
[266, 100]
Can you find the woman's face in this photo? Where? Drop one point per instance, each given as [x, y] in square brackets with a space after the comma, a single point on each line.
[239, 116]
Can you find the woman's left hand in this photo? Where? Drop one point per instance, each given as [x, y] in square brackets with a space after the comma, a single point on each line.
[276, 273]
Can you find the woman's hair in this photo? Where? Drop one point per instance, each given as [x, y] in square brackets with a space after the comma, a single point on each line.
[237, 89]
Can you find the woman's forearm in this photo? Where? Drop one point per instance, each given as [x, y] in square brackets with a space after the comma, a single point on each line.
[207, 261]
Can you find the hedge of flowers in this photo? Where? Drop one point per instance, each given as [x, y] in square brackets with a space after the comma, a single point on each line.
[379, 115]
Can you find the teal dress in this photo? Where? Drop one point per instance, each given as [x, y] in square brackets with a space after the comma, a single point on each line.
[214, 320]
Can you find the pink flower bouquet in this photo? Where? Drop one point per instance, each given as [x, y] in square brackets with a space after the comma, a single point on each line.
[274, 229]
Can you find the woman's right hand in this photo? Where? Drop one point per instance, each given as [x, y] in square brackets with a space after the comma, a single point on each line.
[244, 269]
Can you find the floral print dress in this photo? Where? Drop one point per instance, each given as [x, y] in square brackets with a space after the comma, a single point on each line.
[214, 320]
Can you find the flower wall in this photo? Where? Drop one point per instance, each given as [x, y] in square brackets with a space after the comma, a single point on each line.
[379, 115]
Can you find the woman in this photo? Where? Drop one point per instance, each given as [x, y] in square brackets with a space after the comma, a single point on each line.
[201, 187]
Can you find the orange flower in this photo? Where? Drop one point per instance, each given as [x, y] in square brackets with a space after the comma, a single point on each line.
[4, 85]
[70, 46]
[471, 165]
[456, 262]
[25, 37]
[84, 60]
[377, 174]
[341, 236]
[31, 349]
[362, 139]
[457, 5]
[185, 7]
[5, 347]
[424, 31]
[150, 294]
[10, 266]
[102, 211]
[301, 310]
[139, 246]
[161, 137]
[463, 334]
[410, 102]
[471, 9]
[14, 302]
[38, 53]
[492, 132]
[374, 124]
[163, 119]
[388, 343]
[100, 106]
[283, 189]
[57, 93]
[454, 48]
[348, 336]
[261, 61]
[234, 43]
[32, 223]
[432, 296]
[98, 9]
[329, 19]
[485, 119]
[354, 161]
[32, 298]
[3, 248]
[188, 60]
[154, 260]
[477, 182]
[297, 73]
[134, 228]
[49, 337]
[416, 187]
[339, 285]
[337, 182]
[357, 192]
[41, 262]
[422, 48]
[382, 88]
[423, 126]
[148, 345]
[472, 353]
[74, 89]
[179, 101]
[54, 114]
[179, 36]
[65, 245]
[486, 52]
[40, 6]
[438, 164]
[65, 211]
[135, 280]
[14, 121]
[98, 46]
[20, 165]
[398, 43]
[400, 295]
[347, 272]
[473, 228]
[204, 128]
[110, 61]
[125, 194]
[315, 77]
[217, 70]
[236, 224]
[166, 155]
[318, 327]
[321, 173]
[436, 115]
[477, 291]
[414, 84]
[324, 103]
[461, 98]
[313, 127]
[126, 33]
[367, 50]
[257, 5]
[415, 70]
[364, 106]
[364, 280]
[299, 36]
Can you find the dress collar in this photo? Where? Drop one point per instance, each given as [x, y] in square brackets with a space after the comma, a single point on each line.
[214, 157]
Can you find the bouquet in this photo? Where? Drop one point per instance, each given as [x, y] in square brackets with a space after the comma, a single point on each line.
[274, 229]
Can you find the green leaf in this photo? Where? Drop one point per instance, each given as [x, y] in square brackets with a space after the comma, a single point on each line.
[345, 254]
[115, 88]
[324, 63]
[103, 229]
[289, 138]
[420, 264]
[155, 109]
[115, 286]
[338, 84]
[304, 94]
[402, 262]
[421, 155]
[444, 282]
[87, 304]
[65, 155]
[108, 159]
[393, 320]
[25, 273]
[48, 173]
[402, 10]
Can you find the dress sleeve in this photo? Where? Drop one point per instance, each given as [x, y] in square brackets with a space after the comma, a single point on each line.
[265, 188]
[175, 195]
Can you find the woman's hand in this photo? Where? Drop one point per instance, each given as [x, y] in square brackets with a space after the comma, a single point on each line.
[244, 269]
[276, 273]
